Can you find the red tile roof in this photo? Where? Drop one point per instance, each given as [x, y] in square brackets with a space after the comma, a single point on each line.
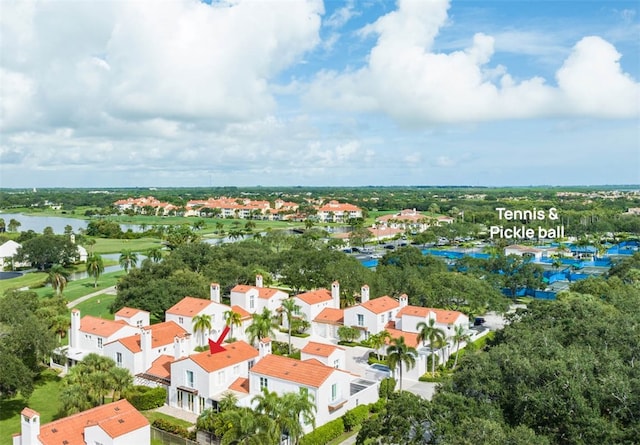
[410, 338]
[161, 367]
[235, 353]
[240, 384]
[100, 327]
[263, 292]
[442, 315]
[320, 349]
[116, 419]
[315, 297]
[188, 306]
[292, 370]
[330, 315]
[128, 312]
[240, 310]
[380, 304]
[162, 334]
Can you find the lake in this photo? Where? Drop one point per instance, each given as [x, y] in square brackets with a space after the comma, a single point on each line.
[57, 223]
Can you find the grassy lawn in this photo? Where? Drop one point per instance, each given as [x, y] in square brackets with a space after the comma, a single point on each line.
[80, 288]
[28, 280]
[109, 245]
[97, 306]
[45, 400]
[153, 415]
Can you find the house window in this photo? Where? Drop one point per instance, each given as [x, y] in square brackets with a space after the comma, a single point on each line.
[220, 377]
[251, 363]
[334, 392]
[189, 380]
[360, 320]
[119, 359]
[336, 363]
[382, 318]
[139, 323]
[264, 383]
[389, 316]
[252, 302]
[99, 342]
[236, 370]
[180, 320]
[202, 403]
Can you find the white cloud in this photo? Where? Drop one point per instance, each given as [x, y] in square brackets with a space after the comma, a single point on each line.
[407, 80]
[76, 63]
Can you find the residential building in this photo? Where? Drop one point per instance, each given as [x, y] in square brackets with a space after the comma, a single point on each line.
[117, 423]
[313, 302]
[329, 355]
[333, 391]
[337, 212]
[200, 380]
[371, 316]
[254, 299]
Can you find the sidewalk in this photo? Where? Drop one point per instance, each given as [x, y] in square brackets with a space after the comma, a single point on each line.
[177, 413]
[107, 290]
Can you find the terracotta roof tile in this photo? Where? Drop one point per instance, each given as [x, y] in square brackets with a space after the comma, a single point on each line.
[240, 384]
[188, 306]
[162, 334]
[100, 327]
[292, 370]
[263, 292]
[240, 310]
[320, 349]
[315, 297]
[116, 419]
[442, 315]
[414, 311]
[235, 353]
[314, 361]
[380, 304]
[161, 367]
[330, 315]
[128, 312]
[410, 338]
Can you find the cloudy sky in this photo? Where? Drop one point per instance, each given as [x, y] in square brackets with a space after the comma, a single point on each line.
[304, 92]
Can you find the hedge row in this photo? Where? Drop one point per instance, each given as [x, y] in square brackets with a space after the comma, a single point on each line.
[324, 434]
[355, 417]
[144, 397]
[170, 427]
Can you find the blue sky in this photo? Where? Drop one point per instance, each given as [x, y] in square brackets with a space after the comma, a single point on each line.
[305, 92]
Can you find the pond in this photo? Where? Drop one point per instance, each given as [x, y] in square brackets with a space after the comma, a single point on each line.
[57, 223]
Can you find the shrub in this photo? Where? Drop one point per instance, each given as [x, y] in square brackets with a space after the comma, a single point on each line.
[170, 427]
[355, 416]
[324, 434]
[387, 387]
[144, 397]
[377, 406]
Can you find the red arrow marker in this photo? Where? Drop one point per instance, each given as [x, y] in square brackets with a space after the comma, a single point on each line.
[216, 346]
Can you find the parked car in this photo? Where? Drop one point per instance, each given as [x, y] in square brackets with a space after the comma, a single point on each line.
[478, 321]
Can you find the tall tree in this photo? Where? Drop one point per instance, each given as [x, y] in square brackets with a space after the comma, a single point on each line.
[434, 335]
[262, 326]
[57, 278]
[460, 335]
[128, 259]
[232, 319]
[202, 325]
[290, 309]
[399, 354]
[95, 267]
[154, 254]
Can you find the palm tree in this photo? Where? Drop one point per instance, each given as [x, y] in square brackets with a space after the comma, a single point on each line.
[232, 319]
[399, 353]
[296, 409]
[267, 403]
[262, 326]
[378, 340]
[244, 427]
[154, 254]
[95, 267]
[13, 225]
[460, 334]
[122, 380]
[429, 332]
[202, 324]
[128, 259]
[60, 325]
[57, 278]
[290, 308]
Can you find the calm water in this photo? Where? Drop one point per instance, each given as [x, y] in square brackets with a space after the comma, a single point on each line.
[57, 223]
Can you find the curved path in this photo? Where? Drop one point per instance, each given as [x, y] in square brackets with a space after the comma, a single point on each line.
[106, 290]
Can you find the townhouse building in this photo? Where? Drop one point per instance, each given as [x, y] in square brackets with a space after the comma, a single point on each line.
[312, 303]
[254, 299]
[337, 212]
[117, 423]
[332, 390]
